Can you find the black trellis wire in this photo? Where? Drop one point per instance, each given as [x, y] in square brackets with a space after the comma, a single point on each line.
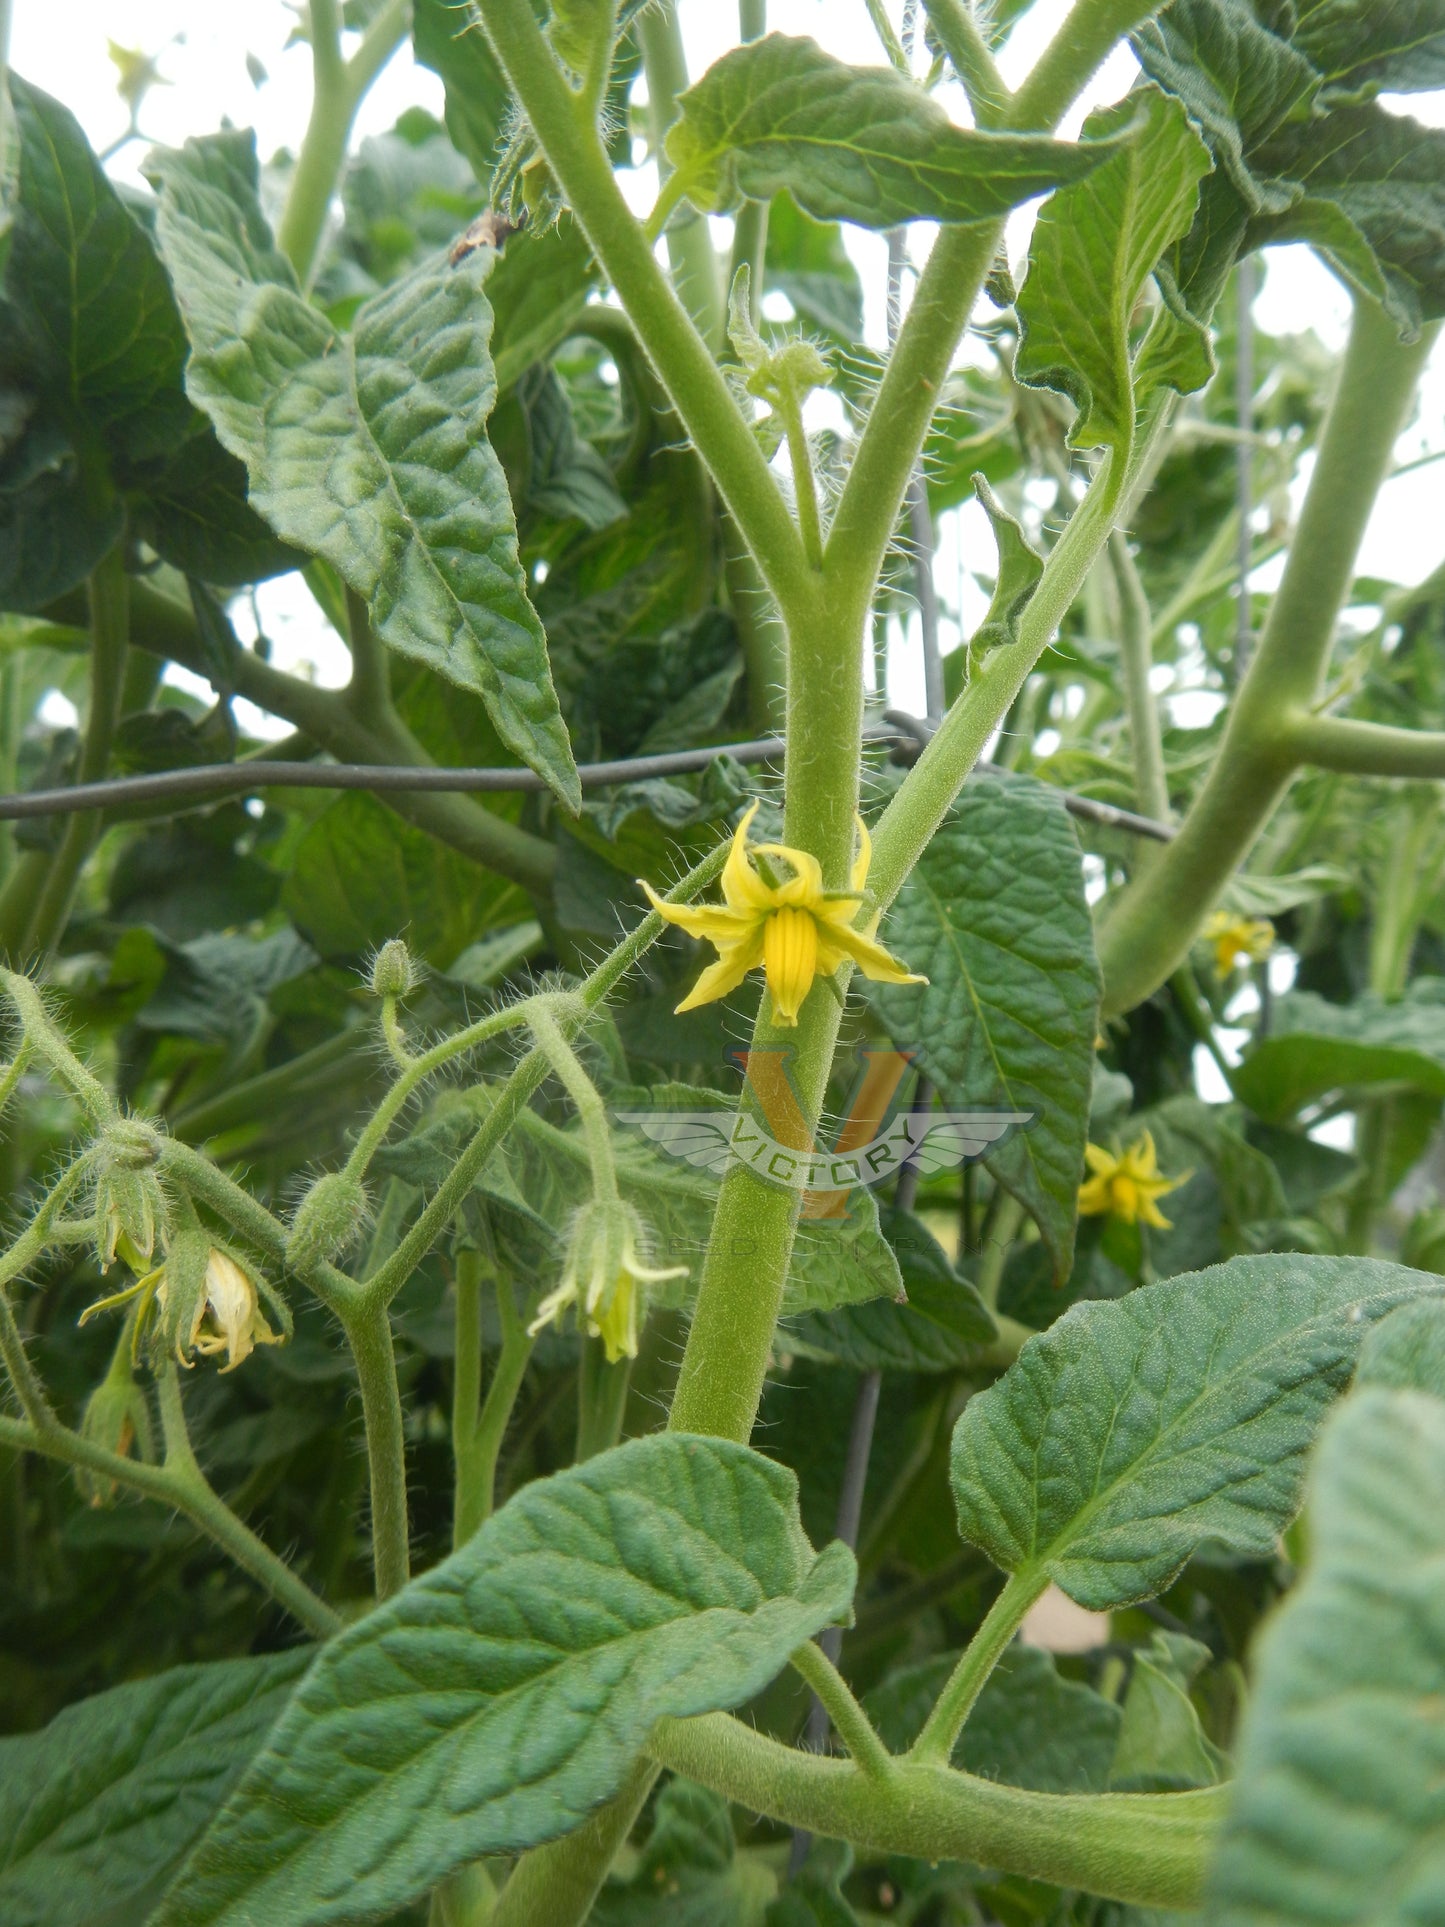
[205, 781]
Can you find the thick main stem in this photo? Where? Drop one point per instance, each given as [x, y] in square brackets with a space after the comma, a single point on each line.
[1153, 924]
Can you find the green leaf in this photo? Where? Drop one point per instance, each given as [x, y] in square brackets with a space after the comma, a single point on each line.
[98, 1808]
[1374, 204]
[92, 406]
[1162, 1748]
[1364, 46]
[938, 1329]
[1315, 1048]
[857, 144]
[1239, 81]
[1336, 1814]
[86, 289]
[995, 917]
[567, 478]
[690, 1867]
[537, 289]
[1406, 1351]
[359, 875]
[1133, 1431]
[1019, 567]
[502, 1697]
[1030, 1728]
[367, 449]
[478, 100]
[1094, 246]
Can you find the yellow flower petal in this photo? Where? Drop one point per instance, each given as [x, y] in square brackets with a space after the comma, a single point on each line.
[711, 922]
[743, 889]
[727, 973]
[871, 958]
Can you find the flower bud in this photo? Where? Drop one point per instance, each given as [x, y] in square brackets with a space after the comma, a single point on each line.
[117, 1417]
[327, 1219]
[130, 1207]
[393, 973]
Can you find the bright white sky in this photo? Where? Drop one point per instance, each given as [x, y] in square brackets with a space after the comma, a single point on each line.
[63, 49]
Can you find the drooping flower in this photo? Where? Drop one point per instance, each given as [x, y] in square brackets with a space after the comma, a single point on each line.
[796, 930]
[1127, 1186]
[602, 1275]
[200, 1300]
[1233, 937]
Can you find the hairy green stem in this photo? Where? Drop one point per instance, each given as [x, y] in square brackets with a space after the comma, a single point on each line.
[1150, 928]
[477, 1470]
[194, 1498]
[850, 1722]
[961, 38]
[44, 1037]
[1358, 748]
[690, 250]
[163, 626]
[941, 1729]
[1151, 786]
[926, 793]
[368, 1332]
[677, 351]
[1150, 1849]
[338, 89]
[563, 1061]
[601, 1399]
[195, 1174]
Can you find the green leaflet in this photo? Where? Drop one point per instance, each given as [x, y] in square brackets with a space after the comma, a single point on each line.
[500, 1698]
[854, 144]
[98, 1808]
[1030, 1728]
[1369, 46]
[1132, 1431]
[1406, 1351]
[1239, 81]
[1336, 1815]
[1094, 247]
[1019, 567]
[1162, 1748]
[1315, 1048]
[1374, 204]
[690, 1867]
[367, 449]
[448, 39]
[938, 1329]
[359, 874]
[91, 356]
[995, 917]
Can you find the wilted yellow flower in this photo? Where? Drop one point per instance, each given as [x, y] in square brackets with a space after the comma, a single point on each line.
[228, 1316]
[796, 930]
[1234, 937]
[223, 1315]
[601, 1276]
[1127, 1186]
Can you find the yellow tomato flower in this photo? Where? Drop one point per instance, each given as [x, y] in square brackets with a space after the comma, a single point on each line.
[1127, 1186]
[796, 930]
[219, 1308]
[1235, 937]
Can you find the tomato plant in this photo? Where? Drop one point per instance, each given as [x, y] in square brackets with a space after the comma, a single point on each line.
[607, 1233]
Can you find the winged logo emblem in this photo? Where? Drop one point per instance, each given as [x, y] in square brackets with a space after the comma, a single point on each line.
[930, 1140]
